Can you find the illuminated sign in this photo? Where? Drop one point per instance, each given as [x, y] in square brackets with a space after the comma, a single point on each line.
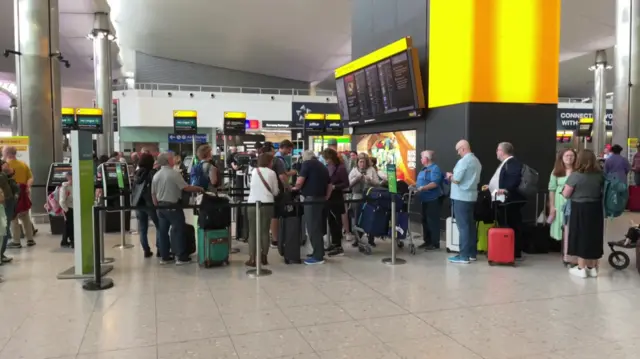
[376, 56]
[185, 122]
[68, 120]
[89, 119]
[235, 123]
[252, 124]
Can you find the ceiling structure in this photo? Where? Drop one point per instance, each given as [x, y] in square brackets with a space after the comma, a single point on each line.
[297, 39]
[76, 21]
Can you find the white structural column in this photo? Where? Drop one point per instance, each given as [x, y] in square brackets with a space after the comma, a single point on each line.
[13, 113]
[36, 40]
[599, 101]
[626, 94]
[102, 38]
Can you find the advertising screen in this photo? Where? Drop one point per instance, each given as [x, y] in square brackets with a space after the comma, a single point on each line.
[397, 148]
[385, 84]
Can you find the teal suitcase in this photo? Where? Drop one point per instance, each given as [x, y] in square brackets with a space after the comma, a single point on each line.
[213, 247]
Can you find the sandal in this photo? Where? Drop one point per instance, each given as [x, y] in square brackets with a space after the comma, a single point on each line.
[250, 263]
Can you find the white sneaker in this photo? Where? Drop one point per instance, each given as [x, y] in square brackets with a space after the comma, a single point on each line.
[582, 273]
[592, 272]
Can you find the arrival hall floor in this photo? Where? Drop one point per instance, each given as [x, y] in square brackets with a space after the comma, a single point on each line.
[351, 307]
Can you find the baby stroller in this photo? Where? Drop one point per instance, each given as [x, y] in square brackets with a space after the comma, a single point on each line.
[618, 259]
[375, 217]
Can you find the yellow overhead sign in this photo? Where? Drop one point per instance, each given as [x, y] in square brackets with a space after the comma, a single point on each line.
[242, 115]
[586, 120]
[68, 111]
[89, 111]
[185, 114]
[314, 116]
[372, 58]
[332, 117]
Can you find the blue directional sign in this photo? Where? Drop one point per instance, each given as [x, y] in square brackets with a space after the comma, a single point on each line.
[200, 138]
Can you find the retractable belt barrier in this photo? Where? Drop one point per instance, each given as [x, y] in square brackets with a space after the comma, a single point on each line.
[100, 283]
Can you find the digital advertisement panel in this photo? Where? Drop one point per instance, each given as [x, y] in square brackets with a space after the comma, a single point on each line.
[398, 148]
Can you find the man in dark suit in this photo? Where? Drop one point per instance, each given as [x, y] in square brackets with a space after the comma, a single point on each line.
[504, 184]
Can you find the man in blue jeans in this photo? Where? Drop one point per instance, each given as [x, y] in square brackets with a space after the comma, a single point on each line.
[464, 193]
[429, 184]
[166, 190]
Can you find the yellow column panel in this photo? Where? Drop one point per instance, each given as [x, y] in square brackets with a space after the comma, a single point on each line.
[499, 51]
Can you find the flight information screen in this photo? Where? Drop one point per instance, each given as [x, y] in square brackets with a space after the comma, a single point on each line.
[383, 88]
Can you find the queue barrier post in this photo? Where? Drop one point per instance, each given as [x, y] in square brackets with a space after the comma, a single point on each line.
[97, 282]
[258, 271]
[123, 241]
[102, 224]
[393, 260]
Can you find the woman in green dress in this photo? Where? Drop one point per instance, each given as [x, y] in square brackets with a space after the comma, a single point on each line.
[565, 164]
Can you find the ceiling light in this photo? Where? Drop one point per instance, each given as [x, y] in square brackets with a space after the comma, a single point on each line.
[609, 93]
[111, 37]
[9, 87]
[609, 67]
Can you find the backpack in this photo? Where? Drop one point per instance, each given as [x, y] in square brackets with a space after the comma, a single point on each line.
[199, 177]
[528, 181]
[616, 194]
[53, 203]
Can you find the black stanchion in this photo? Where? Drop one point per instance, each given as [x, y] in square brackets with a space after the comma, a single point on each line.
[97, 283]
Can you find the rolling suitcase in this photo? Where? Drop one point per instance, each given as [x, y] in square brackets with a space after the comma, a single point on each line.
[633, 204]
[452, 235]
[213, 247]
[290, 239]
[483, 236]
[374, 220]
[501, 245]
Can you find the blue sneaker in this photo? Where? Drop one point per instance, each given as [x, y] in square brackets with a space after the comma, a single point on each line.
[312, 261]
[459, 260]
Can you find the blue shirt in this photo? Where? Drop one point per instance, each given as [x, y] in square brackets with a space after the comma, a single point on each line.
[467, 175]
[430, 174]
[316, 179]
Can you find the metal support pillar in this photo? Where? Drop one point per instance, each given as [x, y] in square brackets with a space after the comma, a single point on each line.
[626, 94]
[13, 113]
[37, 78]
[599, 102]
[102, 38]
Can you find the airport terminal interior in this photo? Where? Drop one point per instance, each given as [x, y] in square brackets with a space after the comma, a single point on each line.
[424, 102]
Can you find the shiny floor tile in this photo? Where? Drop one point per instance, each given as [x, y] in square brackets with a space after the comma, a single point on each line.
[351, 307]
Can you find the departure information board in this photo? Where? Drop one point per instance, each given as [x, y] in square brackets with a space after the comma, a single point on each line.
[234, 123]
[68, 120]
[185, 122]
[89, 119]
[383, 85]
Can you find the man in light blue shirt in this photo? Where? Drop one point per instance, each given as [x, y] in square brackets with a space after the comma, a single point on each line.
[429, 185]
[464, 193]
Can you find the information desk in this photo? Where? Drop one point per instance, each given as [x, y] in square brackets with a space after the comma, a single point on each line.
[57, 175]
[115, 182]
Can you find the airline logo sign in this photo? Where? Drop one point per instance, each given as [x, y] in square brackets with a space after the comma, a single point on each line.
[567, 119]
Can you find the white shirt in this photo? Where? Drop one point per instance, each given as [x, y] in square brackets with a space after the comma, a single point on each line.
[258, 191]
[494, 184]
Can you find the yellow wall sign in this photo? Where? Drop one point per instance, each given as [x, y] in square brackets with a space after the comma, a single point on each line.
[376, 56]
[89, 111]
[332, 117]
[497, 51]
[238, 115]
[314, 116]
[185, 114]
[585, 120]
[68, 111]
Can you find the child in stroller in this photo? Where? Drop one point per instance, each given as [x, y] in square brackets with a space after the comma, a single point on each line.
[619, 259]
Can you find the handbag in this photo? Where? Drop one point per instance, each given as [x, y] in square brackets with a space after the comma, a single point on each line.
[136, 194]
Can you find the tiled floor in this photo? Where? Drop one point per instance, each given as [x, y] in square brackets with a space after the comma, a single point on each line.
[351, 307]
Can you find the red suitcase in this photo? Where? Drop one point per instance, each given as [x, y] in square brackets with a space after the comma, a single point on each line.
[633, 204]
[501, 246]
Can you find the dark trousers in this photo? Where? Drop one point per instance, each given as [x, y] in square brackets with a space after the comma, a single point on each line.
[510, 216]
[431, 222]
[67, 232]
[143, 217]
[335, 228]
[172, 219]
[314, 220]
[9, 208]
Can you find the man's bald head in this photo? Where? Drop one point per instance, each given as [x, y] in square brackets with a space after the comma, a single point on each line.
[463, 147]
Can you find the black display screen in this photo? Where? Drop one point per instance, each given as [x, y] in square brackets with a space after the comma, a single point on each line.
[314, 125]
[68, 123]
[333, 126]
[185, 125]
[57, 174]
[234, 126]
[90, 123]
[383, 90]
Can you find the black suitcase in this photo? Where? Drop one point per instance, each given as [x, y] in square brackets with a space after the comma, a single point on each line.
[290, 239]
[189, 239]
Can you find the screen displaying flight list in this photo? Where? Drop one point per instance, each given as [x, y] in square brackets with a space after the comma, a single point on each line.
[383, 88]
